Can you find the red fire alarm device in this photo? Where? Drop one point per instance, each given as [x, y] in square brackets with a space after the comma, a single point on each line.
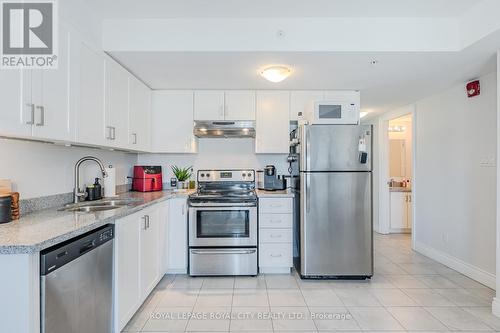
[473, 88]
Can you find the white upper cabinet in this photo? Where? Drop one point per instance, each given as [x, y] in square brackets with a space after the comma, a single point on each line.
[239, 105]
[117, 104]
[302, 102]
[15, 115]
[139, 134]
[172, 122]
[209, 105]
[272, 122]
[91, 88]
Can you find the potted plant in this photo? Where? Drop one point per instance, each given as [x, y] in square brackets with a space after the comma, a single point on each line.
[182, 175]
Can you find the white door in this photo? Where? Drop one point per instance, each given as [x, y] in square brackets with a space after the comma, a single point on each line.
[239, 105]
[54, 113]
[16, 110]
[172, 122]
[149, 251]
[140, 116]
[209, 105]
[117, 105]
[398, 210]
[177, 237]
[127, 269]
[302, 103]
[272, 122]
[91, 108]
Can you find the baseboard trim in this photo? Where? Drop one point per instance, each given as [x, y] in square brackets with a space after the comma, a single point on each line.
[459, 265]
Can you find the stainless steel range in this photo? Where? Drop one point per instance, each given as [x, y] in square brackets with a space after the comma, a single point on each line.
[223, 224]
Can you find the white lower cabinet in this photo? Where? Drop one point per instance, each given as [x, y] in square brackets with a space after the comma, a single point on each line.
[138, 247]
[275, 235]
[401, 211]
[177, 231]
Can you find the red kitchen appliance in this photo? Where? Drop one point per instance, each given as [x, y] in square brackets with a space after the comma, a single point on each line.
[147, 178]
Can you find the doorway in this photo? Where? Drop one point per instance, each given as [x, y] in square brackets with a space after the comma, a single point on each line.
[397, 177]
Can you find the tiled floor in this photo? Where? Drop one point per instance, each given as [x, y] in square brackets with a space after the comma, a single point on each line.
[409, 292]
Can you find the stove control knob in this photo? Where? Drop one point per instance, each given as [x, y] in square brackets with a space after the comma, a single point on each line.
[202, 175]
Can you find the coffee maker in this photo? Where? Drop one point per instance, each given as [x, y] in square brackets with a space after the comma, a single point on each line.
[269, 181]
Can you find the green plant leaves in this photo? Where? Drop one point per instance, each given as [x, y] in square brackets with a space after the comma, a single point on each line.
[182, 174]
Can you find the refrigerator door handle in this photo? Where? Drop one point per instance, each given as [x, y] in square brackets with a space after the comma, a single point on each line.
[308, 188]
[308, 147]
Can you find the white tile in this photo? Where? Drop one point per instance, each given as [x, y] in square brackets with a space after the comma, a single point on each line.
[393, 297]
[208, 325]
[457, 319]
[321, 297]
[437, 282]
[250, 282]
[281, 281]
[218, 282]
[178, 297]
[214, 297]
[420, 268]
[285, 297]
[427, 297]
[165, 320]
[463, 281]
[462, 297]
[416, 318]
[406, 281]
[250, 297]
[485, 315]
[375, 318]
[185, 281]
[357, 297]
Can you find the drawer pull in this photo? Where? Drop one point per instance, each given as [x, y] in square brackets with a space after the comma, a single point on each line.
[275, 205]
[275, 221]
[276, 255]
[275, 236]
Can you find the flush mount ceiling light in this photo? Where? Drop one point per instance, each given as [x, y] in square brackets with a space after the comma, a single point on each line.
[275, 73]
[363, 114]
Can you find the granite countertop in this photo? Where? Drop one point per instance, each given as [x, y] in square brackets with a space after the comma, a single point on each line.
[275, 194]
[399, 189]
[42, 229]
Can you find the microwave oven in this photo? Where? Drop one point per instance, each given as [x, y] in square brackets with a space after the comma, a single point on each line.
[337, 112]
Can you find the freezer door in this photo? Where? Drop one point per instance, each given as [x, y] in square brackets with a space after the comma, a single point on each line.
[335, 147]
[336, 224]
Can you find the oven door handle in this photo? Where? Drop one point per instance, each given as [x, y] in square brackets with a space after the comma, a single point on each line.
[202, 252]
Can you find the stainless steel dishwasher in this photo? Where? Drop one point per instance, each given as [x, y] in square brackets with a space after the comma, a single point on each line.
[76, 284]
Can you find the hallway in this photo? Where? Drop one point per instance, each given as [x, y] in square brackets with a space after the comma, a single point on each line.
[409, 292]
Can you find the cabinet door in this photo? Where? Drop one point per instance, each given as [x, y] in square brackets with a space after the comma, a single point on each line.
[140, 116]
[302, 103]
[398, 210]
[177, 236]
[90, 112]
[117, 105]
[127, 269]
[51, 95]
[172, 122]
[15, 114]
[162, 235]
[239, 105]
[409, 211]
[272, 122]
[209, 105]
[149, 251]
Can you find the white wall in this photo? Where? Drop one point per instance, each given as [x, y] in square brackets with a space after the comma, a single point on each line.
[217, 154]
[40, 169]
[456, 196]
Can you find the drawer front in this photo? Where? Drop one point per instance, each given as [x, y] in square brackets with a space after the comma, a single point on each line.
[275, 220]
[275, 235]
[275, 255]
[275, 205]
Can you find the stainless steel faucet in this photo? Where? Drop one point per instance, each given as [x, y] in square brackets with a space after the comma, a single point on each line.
[77, 193]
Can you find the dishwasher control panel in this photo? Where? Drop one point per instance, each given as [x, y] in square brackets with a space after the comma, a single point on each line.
[106, 235]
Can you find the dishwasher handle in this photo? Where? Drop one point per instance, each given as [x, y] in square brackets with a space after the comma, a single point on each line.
[59, 255]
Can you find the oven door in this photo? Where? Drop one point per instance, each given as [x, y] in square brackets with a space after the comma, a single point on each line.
[223, 226]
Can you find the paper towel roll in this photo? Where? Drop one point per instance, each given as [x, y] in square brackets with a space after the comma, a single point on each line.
[110, 182]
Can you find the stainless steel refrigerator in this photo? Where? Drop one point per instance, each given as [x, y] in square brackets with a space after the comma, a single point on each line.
[334, 201]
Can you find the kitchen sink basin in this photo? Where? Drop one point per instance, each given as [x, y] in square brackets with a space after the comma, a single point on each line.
[100, 205]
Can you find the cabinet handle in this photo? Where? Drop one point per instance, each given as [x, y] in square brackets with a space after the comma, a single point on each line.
[275, 236]
[145, 222]
[147, 219]
[183, 209]
[42, 115]
[134, 135]
[276, 255]
[275, 221]
[113, 131]
[32, 112]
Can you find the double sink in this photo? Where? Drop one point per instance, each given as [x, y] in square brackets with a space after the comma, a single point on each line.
[100, 205]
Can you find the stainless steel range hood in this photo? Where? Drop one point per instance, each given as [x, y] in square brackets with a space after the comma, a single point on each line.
[224, 129]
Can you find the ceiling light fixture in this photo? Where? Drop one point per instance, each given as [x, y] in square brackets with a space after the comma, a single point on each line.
[275, 73]
[363, 114]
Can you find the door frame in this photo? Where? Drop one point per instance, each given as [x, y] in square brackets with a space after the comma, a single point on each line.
[383, 165]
